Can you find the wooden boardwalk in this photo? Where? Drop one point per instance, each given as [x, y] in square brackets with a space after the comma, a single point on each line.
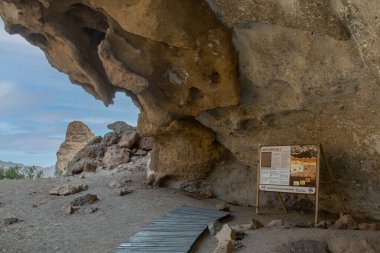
[176, 232]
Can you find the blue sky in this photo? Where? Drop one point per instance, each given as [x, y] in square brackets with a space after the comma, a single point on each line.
[37, 102]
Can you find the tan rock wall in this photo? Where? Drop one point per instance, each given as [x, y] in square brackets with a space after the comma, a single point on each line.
[238, 73]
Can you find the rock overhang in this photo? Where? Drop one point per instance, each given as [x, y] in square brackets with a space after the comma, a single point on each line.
[234, 74]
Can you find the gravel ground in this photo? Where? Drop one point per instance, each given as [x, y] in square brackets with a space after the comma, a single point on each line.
[46, 229]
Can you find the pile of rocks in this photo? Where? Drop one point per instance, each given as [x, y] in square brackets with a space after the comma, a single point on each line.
[120, 146]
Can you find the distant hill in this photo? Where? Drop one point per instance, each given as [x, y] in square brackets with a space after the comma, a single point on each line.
[48, 171]
[9, 164]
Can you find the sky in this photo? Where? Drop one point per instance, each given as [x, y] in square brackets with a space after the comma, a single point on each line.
[37, 103]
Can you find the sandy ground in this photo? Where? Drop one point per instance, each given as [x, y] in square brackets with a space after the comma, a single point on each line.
[46, 229]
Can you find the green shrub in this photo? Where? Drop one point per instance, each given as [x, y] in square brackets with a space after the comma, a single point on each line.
[16, 172]
[13, 172]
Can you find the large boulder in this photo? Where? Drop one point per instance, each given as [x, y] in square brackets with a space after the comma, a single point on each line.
[120, 127]
[127, 140]
[187, 150]
[115, 156]
[77, 136]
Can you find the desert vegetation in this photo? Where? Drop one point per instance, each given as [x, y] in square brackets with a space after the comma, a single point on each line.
[18, 172]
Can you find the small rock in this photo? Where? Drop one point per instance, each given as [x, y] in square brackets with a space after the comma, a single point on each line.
[34, 206]
[344, 222]
[226, 234]
[68, 209]
[207, 193]
[84, 200]
[9, 221]
[125, 191]
[256, 224]
[275, 223]
[214, 227]
[115, 184]
[67, 189]
[225, 237]
[222, 207]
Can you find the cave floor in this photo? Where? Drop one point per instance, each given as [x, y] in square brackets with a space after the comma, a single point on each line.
[46, 229]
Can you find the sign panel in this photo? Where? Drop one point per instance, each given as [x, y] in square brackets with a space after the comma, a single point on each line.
[291, 169]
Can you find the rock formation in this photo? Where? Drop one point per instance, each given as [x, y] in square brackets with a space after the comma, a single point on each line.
[116, 149]
[215, 79]
[77, 136]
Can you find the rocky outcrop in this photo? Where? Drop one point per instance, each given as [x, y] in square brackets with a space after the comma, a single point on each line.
[225, 77]
[77, 136]
[110, 151]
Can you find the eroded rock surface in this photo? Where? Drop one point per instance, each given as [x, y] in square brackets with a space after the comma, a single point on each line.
[216, 79]
[77, 136]
[116, 148]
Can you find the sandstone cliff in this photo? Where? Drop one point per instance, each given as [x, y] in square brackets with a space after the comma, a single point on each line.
[77, 136]
[216, 79]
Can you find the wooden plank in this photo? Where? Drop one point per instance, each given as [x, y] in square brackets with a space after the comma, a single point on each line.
[176, 232]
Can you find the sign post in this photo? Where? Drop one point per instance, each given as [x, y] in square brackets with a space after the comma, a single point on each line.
[289, 169]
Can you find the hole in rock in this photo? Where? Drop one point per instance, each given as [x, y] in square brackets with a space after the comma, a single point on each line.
[95, 35]
[215, 77]
[81, 13]
[195, 94]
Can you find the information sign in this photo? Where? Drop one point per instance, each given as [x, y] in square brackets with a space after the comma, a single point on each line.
[291, 169]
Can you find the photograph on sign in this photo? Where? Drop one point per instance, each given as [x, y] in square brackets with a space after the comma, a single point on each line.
[303, 165]
[290, 169]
